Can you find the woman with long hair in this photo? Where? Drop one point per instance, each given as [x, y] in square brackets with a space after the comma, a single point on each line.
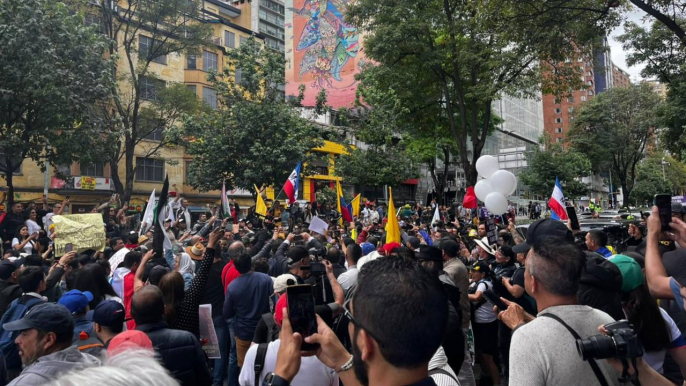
[23, 241]
[93, 278]
[32, 221]
[172, 286]
[656, 330]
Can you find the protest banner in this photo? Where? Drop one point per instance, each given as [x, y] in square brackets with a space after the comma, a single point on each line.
[208, 336]
[84, 231]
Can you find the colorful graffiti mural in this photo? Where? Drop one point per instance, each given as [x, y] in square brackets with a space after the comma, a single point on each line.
[322, 50]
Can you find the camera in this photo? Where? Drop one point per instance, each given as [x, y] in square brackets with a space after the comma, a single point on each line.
[620, 342]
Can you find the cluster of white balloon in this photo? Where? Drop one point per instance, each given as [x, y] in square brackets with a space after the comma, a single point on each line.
[495, 185]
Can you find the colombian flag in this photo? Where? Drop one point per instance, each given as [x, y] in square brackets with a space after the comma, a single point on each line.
[344, 209]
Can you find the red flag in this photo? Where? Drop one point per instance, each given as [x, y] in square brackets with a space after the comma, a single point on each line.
[469, 201]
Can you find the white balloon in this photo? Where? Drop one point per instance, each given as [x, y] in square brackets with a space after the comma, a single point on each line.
[482, 189]
[503, 181]
[486, 165]
[496, 203]
[514, 188]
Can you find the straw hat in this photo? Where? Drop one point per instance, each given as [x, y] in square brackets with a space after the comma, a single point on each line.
[196, 252]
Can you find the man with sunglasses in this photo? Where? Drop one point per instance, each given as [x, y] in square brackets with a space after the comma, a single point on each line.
[397, 315]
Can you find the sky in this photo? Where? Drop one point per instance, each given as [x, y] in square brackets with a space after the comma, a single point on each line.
[618, 53]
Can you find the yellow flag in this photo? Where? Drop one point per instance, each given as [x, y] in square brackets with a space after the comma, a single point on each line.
[356, 205]
[392, 226]
[339, 194]
[260, 206]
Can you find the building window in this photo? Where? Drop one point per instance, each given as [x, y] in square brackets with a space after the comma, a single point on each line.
[148, 169]
[146, 46]
[93, 170]
[209, 61]
[154, 134]
[589, 64]
[192, 88]
[558, 110]
[583, 98]
[557, 101]
[558, 120]
[590, 92]
[589, 73]
[243, 40]
[150, 87]
[229, 39]
[570, 100]
[239, 75]
[558, 139]
[580, 60]
[589, 83]
[209, 96]
[191, 62]
[558, 130]
[570, 109]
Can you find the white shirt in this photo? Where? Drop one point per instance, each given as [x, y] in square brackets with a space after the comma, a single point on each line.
[33, 226]
[117, 258]
[47, 221]
[440, 361]
[656, 359]
[348, 278]
[485, 313]
[28, 247]
[312, 372]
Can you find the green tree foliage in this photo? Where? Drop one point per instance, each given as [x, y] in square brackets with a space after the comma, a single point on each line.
[650, 179]
[556, 162]
[142, 33]
[53, 72]
[448, 60]
[254, 136]
[613, 130]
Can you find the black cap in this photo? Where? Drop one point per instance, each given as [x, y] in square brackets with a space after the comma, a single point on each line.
[507, 251]
[674, 264]
[297, 253]
[48, 317]
[156, 273]
[414, 242]
[108, 313]
[544, 228]
[429, 252]
[678, 207]
[7, 267]
[480, 266]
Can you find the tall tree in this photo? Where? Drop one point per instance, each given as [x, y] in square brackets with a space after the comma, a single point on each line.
[142, 33]
[651, 178]
[459, 56]
[254, 136]
[53, 73]
[613, 130]
[556, 162]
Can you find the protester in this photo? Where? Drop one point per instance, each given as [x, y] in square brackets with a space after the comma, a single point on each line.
[108, 320]
[9, 283]
[24, 241]
[352, 256]
[45, 345]
[485, 320]
[180, 351]
[84, 337]
[596, 241]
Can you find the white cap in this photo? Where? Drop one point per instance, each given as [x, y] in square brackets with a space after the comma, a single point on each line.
[281, 282]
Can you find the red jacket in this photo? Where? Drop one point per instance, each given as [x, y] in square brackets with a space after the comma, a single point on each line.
[229, 273]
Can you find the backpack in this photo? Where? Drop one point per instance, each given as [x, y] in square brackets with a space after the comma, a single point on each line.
[259, 360]
[272, 327]
[472, 290]
[9, 349]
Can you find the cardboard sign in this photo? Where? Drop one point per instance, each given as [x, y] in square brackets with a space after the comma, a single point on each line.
[84, 231]
[208, 336]
[491, 231]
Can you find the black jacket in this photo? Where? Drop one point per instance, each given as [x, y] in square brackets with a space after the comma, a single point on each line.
[9, 226]
[601, 282]
[180, 353]
[8, 292]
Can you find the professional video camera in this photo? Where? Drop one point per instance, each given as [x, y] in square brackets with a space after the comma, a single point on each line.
[321, 287]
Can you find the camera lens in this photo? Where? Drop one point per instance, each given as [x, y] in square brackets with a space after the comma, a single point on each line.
[596, 347]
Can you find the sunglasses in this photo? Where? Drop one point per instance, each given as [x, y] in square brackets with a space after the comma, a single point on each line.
[349, 315]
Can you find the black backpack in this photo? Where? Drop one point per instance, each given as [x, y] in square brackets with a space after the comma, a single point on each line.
[259, 361]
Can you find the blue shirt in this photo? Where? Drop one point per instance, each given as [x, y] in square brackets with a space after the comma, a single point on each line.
[604, 251]
[247, 298]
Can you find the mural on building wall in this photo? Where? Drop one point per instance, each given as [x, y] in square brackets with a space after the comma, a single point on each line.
[322, 50]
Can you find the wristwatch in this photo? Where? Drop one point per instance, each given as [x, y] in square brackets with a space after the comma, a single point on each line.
[274, 380]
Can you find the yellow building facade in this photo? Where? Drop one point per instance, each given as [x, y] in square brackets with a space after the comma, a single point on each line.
[89, 185]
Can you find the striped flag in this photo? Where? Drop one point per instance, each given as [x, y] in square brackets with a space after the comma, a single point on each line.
[160, 240]
[557, 203]
[226, 209]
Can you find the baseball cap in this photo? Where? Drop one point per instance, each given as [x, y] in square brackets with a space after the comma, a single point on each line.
[506, 250]
[282, 281]
[480, 266]
[389, 247]
[544, 228]
[632, 275]
[429, 252]
[367, 248]
[131, 339]
[107, 313]
[296, 254]
[414, 242]
[674, 264]
[473, 233]
[50, 317]
[76, 301]
[8, 267]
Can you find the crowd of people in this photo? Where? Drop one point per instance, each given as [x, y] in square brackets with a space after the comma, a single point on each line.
[460, 300]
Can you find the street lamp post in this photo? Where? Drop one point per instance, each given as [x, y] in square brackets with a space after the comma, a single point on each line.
[663, 168]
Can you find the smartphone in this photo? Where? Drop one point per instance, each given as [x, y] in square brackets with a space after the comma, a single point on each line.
[217, 224]
[571, 213]
[664, 207]
[301, 312]
[68, 247]
[494, 299]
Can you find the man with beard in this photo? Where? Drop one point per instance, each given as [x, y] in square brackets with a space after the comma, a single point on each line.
[45, 345]
[397, 315]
